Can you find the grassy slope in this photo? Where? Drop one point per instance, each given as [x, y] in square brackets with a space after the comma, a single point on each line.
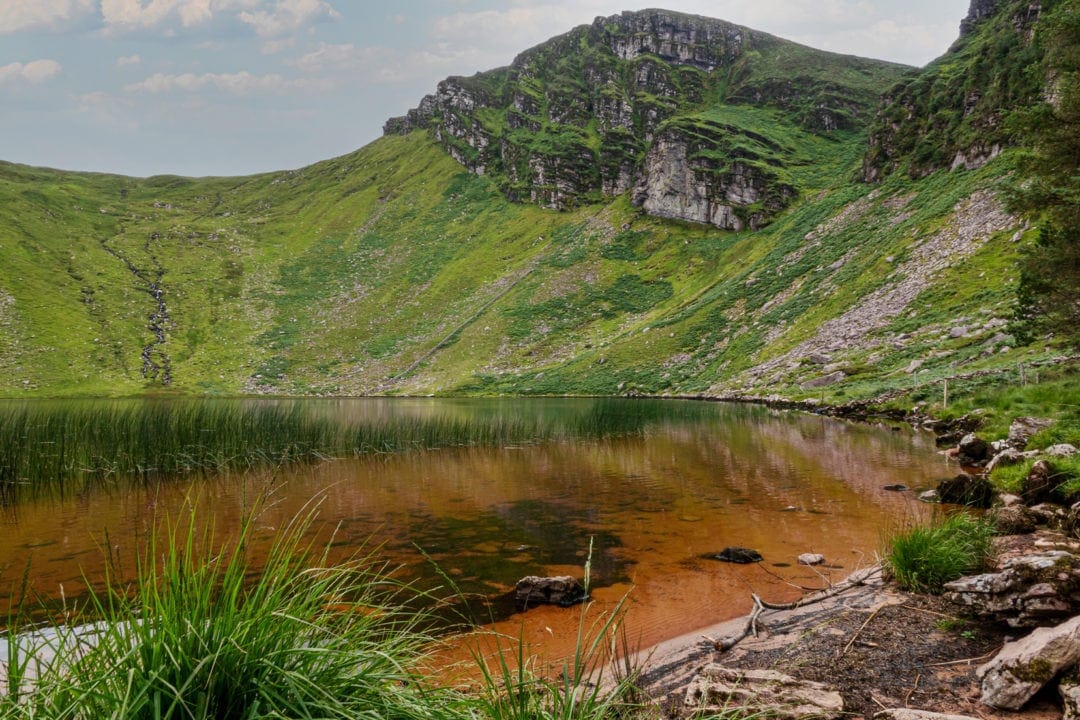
[339, 277]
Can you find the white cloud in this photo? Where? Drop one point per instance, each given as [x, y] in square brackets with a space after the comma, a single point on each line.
[267, 18]
[128, 60]
[240, 83]
[381, 65]
[34, 72]
[273, 47]
[16, 15]
[288, 16]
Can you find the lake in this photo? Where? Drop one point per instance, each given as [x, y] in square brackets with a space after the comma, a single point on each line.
[654, 487]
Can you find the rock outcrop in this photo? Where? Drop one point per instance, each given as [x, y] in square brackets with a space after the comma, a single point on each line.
[622, 104]
[717, 689]
[1027, 591]
[1023, 667]
[933, 120]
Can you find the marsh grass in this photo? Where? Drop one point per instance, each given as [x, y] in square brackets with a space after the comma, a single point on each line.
[924, 557]
[203, 634]
[69, 446]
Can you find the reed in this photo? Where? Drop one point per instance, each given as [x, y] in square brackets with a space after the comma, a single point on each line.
[200, 634]
[73, 445]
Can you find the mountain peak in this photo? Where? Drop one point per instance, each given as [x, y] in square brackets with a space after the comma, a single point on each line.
[695, 116]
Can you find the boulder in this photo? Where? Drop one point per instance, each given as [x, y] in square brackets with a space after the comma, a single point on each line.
[1008, 500]
[1039, 483]
[1028, 590]
[811, 559]
[1023, 428]
[930, 496]
[560, 590]
[965, 489]
[1061, 450]
[1069, 689]
[1024, 666]
[740, 555]
[825, 380]
[1051, 515]
[767, 693]
[910, 714]
[1014, 520]
[973, 450]
[1008, 456]
[1071, 524]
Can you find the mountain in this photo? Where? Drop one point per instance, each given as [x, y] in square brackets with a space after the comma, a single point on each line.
[700, 119]
[654, 203]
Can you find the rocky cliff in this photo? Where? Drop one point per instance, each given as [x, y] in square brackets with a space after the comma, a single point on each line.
[615, 107]
[953, 113]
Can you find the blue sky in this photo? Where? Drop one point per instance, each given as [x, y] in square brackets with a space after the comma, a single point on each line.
[229, 87]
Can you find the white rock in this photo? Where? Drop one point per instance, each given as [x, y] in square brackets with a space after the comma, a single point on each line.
[811, 559]
[1063, 450]
[909, 714]
[1023, 667]
[717, 689]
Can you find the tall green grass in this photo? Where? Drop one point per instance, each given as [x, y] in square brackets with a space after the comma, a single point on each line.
[924, 557]
[202, 635]
[72, 445]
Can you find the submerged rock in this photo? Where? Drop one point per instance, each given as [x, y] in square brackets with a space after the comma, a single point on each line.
[561, 590]
[736, 554]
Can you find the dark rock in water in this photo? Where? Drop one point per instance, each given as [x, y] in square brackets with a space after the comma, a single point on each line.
[1039, 483]
[898, 487]
[973, 450]
[966, 490]
[738, 555]
[561, 590]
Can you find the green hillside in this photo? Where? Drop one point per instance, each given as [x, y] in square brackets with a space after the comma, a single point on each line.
[396, 270]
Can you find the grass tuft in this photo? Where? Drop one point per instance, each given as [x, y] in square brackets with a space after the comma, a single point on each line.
[924, 557]
[202, 636]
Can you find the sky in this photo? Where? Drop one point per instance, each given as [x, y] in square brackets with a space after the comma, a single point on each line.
[233, 87]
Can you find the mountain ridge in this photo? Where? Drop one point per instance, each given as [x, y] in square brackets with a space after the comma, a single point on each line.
[397, 270]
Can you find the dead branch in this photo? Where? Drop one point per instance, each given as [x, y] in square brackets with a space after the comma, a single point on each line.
[861, 627]
[760, 606]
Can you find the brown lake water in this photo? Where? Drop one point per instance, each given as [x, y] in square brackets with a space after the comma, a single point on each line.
[653, 505]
